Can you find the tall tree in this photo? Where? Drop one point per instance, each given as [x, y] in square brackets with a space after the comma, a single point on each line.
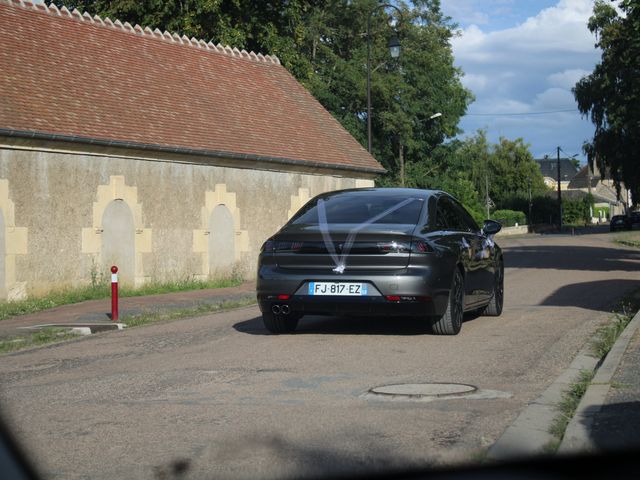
[610, 95]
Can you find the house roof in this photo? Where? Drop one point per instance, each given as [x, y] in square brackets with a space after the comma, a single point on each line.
[599, 196]
[549, 168]
[583, 178]
[67, 75]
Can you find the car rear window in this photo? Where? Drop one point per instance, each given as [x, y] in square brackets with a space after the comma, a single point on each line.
[362, 208]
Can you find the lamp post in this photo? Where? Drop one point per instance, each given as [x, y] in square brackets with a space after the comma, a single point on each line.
[394, 51]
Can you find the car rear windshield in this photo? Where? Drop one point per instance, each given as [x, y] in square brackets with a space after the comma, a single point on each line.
[362, 208]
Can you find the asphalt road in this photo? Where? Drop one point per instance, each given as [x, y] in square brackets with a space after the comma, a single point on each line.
[215, 396]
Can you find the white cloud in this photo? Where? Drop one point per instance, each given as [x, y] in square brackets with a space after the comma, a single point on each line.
[476, 83]
[529, 67]
[553, 99]
[567, 78]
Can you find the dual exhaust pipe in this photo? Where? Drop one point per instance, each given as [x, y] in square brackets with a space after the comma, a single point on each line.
[281, 309]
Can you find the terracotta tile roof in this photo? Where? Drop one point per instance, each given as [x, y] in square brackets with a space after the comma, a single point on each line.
[70, 74]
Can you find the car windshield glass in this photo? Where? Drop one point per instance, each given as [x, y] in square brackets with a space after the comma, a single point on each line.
[363, 208]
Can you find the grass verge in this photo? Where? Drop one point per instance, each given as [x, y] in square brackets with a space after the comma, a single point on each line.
[35, 339]
[95, 292]
[569, 403]
[55, 335]
[630, 239]
[605, 338]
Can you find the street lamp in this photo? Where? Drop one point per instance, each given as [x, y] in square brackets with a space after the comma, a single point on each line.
[394, 51]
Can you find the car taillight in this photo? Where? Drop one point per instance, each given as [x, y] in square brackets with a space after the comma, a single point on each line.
[281, 246]
[394, 247]
[268, 246]
[288, 246]
[420, 246]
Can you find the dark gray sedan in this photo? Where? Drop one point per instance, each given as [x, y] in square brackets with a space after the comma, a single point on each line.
[381, 252]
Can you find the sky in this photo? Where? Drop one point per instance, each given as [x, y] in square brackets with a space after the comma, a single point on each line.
[523, 57]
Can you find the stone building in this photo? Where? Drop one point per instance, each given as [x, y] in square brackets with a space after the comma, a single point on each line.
[168, 156]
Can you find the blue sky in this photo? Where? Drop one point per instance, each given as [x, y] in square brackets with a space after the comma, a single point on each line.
[523, 57]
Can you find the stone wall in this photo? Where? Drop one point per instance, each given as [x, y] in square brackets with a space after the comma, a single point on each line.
[67, 215]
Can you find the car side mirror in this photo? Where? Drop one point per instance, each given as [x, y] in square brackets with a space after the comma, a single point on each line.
[491, 227]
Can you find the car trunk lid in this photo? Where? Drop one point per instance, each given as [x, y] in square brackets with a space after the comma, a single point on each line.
[355, 247]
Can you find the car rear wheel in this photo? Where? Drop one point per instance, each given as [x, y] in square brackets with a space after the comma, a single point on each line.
[451, 322]
[280, 323]
[494, 309]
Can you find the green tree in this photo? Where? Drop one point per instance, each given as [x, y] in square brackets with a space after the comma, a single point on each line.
[511, 168]
[610, 95]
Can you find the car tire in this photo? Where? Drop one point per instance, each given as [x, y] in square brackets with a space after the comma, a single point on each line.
[451, 322]
[494, 308]
[280, 323]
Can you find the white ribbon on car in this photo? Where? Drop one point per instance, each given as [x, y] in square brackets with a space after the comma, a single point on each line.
[340, 261]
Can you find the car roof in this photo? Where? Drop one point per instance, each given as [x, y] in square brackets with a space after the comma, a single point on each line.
[391, 191]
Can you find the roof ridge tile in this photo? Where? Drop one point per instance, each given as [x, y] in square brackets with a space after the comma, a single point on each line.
[53, 9]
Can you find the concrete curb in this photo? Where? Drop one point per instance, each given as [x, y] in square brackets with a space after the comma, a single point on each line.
[79, 328]
[529, 434]
[577, 437]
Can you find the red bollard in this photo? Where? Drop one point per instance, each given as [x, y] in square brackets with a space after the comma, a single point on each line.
[114, 293]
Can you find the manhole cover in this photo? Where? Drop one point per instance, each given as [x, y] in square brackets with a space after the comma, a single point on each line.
[425, 389]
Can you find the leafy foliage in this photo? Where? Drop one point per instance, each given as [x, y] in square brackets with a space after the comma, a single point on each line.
[510, 218]
[577, 211]
[610, 95]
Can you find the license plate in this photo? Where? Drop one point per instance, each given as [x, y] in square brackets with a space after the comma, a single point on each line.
[338, 288]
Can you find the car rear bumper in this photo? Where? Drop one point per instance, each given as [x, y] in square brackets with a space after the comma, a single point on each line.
[422, 291]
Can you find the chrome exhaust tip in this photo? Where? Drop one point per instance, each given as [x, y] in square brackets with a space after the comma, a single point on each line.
[285, 309]
[275, 309]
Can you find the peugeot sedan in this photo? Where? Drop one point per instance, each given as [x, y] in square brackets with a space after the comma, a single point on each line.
[381, 252]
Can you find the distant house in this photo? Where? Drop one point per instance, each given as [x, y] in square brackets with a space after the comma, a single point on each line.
[169, 156]
[602, 189]
[549, 170]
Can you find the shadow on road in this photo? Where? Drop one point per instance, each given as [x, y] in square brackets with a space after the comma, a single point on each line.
[591, 295]
[555, 257]
[348, 454]
[314, 324]
[617, 427]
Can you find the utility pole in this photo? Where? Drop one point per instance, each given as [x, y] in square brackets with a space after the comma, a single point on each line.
[530, 205]
[559, 196]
